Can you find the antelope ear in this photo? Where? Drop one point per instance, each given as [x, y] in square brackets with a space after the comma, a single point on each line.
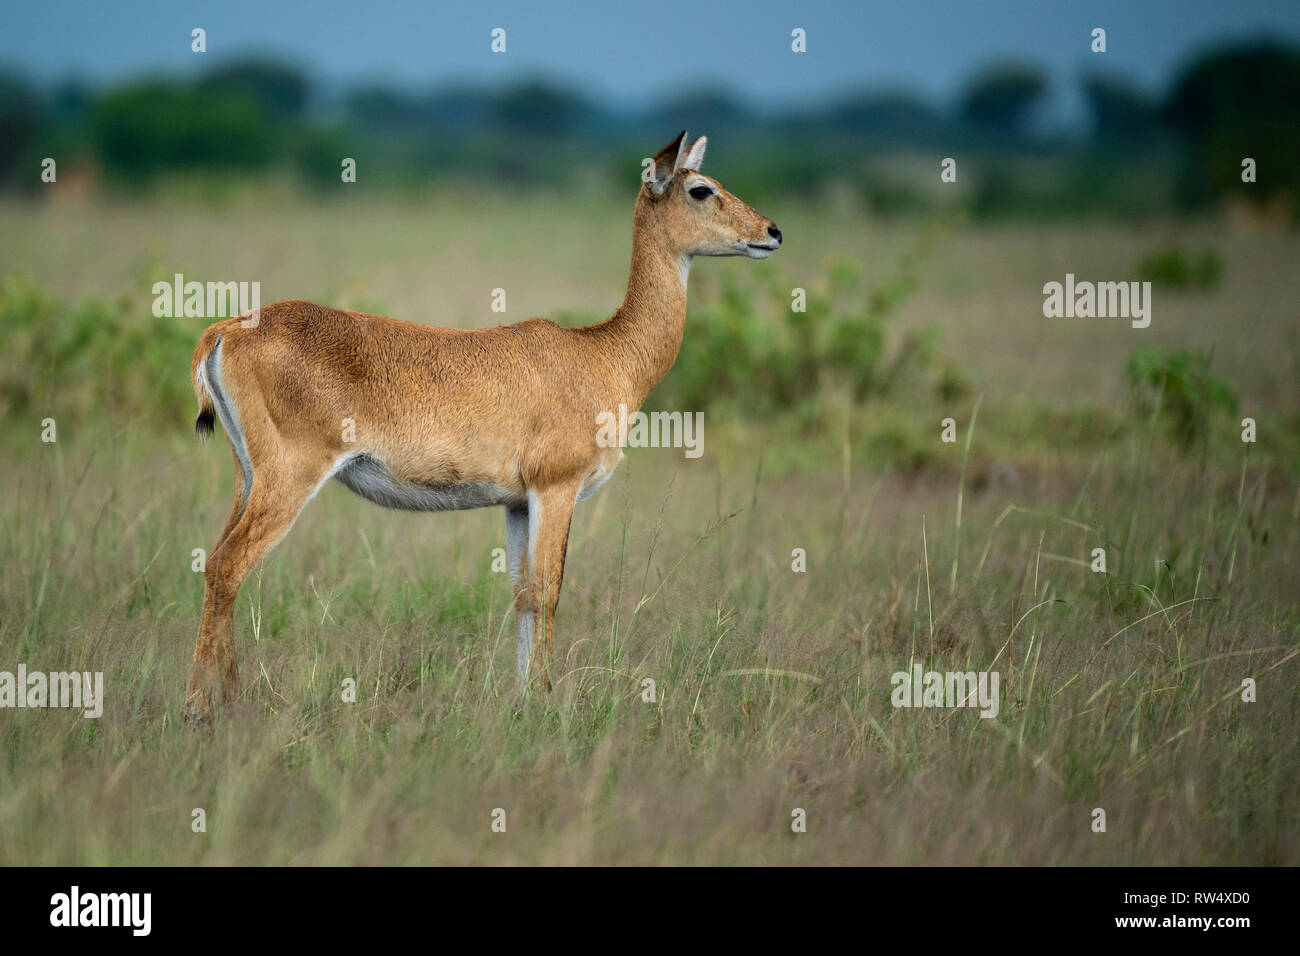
[665, 164]
[693, 157]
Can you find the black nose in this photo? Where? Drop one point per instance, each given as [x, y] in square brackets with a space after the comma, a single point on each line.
[775, 233]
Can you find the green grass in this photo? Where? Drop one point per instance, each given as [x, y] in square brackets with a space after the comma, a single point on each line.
[1119, 690]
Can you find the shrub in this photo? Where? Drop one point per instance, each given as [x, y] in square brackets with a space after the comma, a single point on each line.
[1174, 268]
[95, 360]
[746, 343]
[1181, 384]
[155, 127]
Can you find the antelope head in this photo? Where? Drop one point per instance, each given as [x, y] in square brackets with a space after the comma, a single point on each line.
[695, 215]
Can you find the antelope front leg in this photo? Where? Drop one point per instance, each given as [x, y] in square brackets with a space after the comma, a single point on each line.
[549, 515]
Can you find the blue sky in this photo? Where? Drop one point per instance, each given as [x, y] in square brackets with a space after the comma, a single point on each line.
[630, 52]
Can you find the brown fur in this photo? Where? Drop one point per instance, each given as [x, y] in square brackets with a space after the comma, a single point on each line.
[512, 405]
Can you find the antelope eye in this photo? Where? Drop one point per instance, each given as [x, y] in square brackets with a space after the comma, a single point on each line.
[701, 192]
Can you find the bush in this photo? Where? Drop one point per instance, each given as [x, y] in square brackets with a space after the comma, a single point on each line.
[149, 128]
[94, 361]
[747, 343]
[115, 360]
[1175, 268]
[1181, 384]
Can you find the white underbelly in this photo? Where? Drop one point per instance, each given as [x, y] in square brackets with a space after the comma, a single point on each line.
[371, 480]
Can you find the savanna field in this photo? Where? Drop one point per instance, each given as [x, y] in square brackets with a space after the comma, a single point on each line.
[1120, 690]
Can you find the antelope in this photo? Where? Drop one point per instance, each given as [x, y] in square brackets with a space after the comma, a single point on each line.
[447, 419]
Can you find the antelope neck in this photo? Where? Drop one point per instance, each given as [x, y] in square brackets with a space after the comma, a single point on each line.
[649, 325]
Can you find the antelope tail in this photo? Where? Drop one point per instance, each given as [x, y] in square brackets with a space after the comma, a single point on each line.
[198, 374]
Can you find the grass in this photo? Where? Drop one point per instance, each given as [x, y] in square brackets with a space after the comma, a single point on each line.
[772, 688]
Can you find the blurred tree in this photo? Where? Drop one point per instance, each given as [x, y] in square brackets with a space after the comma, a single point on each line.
[20, 120]
[383, 108]
[1002, 100]
[711, 111]
[539, 106]
[317, 153]
[281, 91]
[893, 116]
[459, 108]
[1256, 84]
[1120, 111]
[153, 126]
[70, 101]
[1235, 102]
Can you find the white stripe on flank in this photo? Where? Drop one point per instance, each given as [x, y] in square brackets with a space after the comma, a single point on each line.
[213, 383]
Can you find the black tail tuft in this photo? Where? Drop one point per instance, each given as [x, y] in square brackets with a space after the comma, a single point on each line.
[203, 424]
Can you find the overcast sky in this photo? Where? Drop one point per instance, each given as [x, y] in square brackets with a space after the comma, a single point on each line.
[628, 51]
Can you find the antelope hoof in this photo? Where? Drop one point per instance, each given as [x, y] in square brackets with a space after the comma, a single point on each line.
[197, 710]
[205, 688]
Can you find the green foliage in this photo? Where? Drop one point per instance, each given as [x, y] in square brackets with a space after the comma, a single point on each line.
[151, 127]
[748, 343]
[1181, 384]
[1120, 110]
[1002, 100]
[20, 122]
[91, 361]
[1236, 101]
[1146, 158]
[1175, 268]
[744, 342]
[282, 91]
[318, 153]
[540, 108]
